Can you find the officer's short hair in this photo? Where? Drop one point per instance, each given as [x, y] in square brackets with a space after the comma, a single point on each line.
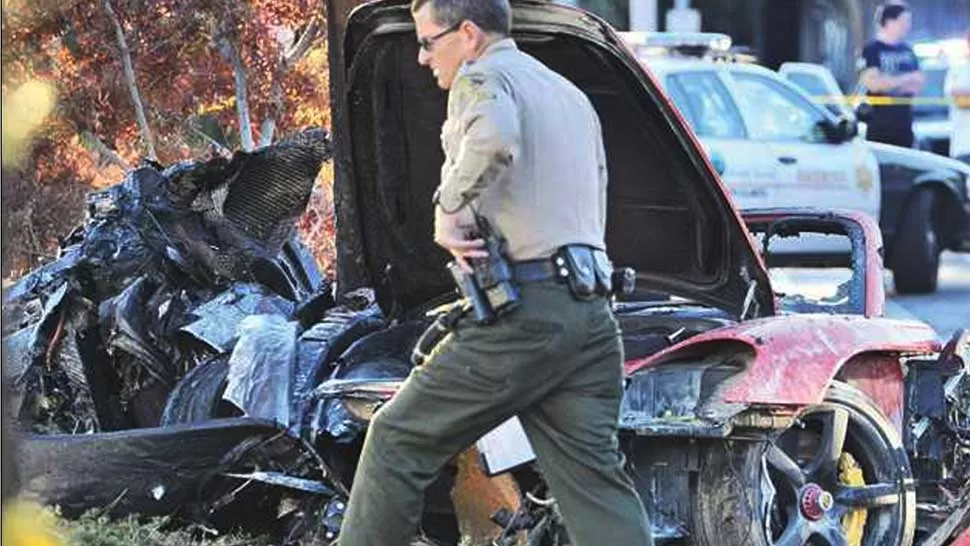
[890, 12]
[494, 16]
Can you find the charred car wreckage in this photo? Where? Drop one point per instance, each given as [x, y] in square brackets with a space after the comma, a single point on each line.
[185, 355]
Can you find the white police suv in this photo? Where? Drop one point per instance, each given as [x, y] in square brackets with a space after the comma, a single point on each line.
[775, 147]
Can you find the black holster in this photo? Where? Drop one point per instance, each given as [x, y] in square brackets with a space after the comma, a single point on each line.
[586, 270]
[489, 289]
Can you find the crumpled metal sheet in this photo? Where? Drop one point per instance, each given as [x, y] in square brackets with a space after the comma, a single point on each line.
[302, 266]
[392, 346]
[278, 478]
[383, 354]
[37, 282]
[330, 337]
[197, 394]
[261, 367]
[220, 318]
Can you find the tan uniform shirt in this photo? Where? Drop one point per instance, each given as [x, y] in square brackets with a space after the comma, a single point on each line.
[524, 146]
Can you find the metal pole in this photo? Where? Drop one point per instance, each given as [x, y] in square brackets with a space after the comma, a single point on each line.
[643, 15]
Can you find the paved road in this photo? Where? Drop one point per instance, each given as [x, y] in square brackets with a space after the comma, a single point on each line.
[947, 309]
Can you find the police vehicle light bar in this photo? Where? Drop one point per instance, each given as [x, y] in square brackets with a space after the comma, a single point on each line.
[695, 44]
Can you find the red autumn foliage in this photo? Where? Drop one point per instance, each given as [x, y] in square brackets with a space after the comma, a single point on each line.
[181, 54]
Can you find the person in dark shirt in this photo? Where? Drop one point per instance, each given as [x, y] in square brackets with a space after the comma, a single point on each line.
[892, 75]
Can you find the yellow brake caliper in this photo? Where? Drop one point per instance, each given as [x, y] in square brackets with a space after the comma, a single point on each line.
[854, 521]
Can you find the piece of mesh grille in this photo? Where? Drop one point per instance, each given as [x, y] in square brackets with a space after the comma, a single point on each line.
[271, 191]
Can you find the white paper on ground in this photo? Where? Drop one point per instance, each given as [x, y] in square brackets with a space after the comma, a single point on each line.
[505, 447]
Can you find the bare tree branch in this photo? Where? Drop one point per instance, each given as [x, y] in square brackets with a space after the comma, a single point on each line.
[306, 41]
[104, 153]
[146, 132]
[287, 61]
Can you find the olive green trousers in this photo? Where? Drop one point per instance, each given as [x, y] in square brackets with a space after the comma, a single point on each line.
[556, 363]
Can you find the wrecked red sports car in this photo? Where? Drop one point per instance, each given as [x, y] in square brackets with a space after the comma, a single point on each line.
[749, 417]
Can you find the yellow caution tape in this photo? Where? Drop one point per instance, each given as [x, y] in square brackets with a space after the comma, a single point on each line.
[880, 100]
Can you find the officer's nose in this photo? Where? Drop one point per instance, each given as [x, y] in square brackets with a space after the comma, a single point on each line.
[424, 58]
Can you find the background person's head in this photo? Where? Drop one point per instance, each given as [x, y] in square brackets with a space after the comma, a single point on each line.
[454, 31]
[894, 20]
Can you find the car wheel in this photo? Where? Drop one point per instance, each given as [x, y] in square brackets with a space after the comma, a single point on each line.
[838, 476]
[916, 256]
[197, 397]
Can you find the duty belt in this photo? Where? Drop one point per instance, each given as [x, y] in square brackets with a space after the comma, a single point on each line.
[586, 270]
[533, 270]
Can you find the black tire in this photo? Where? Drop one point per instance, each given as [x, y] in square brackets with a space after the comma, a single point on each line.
[197, 397]
[736, 502]
[916, 252]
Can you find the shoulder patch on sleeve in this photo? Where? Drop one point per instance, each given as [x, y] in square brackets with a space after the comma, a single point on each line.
[472, 88]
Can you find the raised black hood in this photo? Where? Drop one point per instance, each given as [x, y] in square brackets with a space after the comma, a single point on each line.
[669, 216]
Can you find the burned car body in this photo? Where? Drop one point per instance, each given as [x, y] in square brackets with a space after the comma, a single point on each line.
[129, 281]
[175, 271]
[726, 378]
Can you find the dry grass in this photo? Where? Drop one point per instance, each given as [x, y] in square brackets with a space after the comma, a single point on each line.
[26, 524]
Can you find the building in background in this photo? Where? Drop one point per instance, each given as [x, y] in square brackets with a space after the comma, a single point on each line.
[829, 32]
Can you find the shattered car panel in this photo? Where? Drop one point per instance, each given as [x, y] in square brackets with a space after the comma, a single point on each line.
[261, 368]
[219, 318]
[166, 479]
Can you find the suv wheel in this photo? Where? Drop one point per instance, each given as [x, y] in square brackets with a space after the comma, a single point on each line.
[916, 256]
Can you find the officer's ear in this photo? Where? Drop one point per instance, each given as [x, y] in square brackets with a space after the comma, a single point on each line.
[471, 32]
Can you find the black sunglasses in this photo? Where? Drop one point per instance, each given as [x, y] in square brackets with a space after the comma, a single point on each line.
[427, 43]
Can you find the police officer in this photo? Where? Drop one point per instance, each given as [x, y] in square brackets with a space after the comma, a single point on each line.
[891, 73]
[524, 148]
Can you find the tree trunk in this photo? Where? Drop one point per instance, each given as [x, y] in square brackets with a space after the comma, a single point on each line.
[231, 52]
[146, 132]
